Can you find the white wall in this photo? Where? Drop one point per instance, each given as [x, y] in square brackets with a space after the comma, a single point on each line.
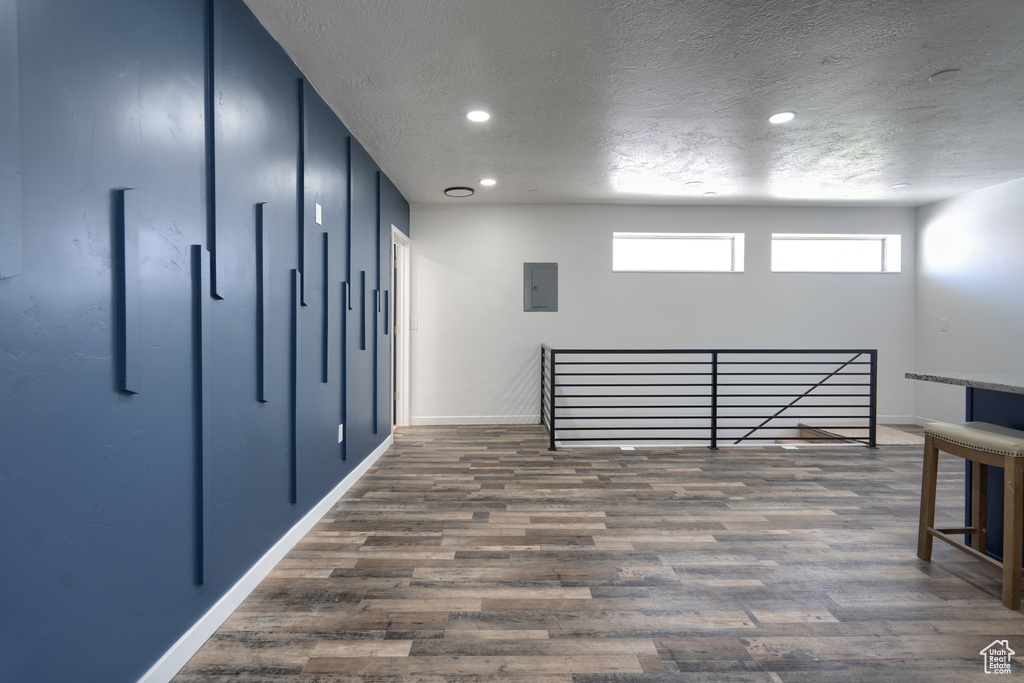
[475, 354]
[970, 272]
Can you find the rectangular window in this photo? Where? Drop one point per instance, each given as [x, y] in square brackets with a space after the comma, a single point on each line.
[665, 252]
[813, 253]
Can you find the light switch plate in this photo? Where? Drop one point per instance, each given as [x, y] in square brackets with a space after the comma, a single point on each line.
[341, 433]
[319, 215]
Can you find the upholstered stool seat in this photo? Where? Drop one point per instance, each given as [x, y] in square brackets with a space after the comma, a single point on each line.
[984, 445]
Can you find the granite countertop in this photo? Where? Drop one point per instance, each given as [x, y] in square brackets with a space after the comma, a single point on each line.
[1012, 382]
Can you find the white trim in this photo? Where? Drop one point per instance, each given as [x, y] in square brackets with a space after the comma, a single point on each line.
[400, 305]
[178, 655]
[475, 419]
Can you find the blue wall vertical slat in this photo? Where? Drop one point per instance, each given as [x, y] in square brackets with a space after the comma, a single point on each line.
[293, 398]
[126, 266]
[362, 310]
[262, 271]
[343, 309]
[211, 25]
[325, 310]
[198, 492]
[300, 190]
[378, 388]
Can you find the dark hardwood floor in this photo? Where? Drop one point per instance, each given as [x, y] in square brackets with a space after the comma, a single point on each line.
[474, 554]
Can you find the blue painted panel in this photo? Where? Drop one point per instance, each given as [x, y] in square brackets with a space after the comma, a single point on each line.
[125, 502]
[325, 183]
[262, 279]
[293, 390]
[200, 272]
[126, 294]
[98, 566]
[10, 143]
[249, 444]
[360, 425]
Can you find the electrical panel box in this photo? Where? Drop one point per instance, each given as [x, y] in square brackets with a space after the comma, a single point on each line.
[540, 287]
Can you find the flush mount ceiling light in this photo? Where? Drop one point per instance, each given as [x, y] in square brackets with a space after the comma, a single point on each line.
[488, 181]
[782, 117]
[710, 194]
[693, 183]
[478, 116]
[458, 191]
[899, 186]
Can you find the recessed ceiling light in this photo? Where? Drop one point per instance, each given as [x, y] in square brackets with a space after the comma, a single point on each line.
[899, 186]
[459, 191]
[710, 194]
[782, 117]
[488, 181]
[478, 116]
[694, 183]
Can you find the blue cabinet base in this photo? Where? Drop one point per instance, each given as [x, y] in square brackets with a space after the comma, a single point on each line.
[999, 408]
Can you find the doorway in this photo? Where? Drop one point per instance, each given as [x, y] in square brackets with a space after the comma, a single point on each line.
[400, 327]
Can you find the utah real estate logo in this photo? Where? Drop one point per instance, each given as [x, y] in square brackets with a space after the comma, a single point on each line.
[997, 657]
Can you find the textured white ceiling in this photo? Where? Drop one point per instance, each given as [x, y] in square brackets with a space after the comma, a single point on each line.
[629, 100]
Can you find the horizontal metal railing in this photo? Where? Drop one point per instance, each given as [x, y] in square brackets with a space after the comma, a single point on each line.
[658, 396]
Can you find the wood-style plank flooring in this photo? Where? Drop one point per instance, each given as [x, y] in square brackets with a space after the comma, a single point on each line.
[475, 554]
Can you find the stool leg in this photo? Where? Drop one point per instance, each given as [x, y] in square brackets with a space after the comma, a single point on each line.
[928, 483]
[1013, 511]
[979, 504]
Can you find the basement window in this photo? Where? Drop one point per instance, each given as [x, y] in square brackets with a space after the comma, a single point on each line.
[668, 252]
[821, 253]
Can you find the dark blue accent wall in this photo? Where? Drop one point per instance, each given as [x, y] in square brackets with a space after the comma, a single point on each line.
[361, 428]
[156, 440]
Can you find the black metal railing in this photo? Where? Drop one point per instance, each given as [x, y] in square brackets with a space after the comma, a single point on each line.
[683, 396]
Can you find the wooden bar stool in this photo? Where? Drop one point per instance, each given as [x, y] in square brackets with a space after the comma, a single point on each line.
[984, 445]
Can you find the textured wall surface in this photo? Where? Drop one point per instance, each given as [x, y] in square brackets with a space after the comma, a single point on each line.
[173, 363]
[969, 275]
[475, 354]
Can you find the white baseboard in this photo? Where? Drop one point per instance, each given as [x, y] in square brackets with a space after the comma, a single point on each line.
[175, 658]
[474, 419]
[896, 420]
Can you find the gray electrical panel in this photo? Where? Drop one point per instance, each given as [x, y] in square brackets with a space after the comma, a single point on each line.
[540, 286]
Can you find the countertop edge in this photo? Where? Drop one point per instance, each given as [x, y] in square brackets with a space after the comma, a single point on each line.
[1014, 385]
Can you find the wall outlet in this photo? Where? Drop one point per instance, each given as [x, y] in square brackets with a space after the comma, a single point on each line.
[341, 433]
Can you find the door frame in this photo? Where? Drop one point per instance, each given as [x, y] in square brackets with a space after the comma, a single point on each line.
[401, 286]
